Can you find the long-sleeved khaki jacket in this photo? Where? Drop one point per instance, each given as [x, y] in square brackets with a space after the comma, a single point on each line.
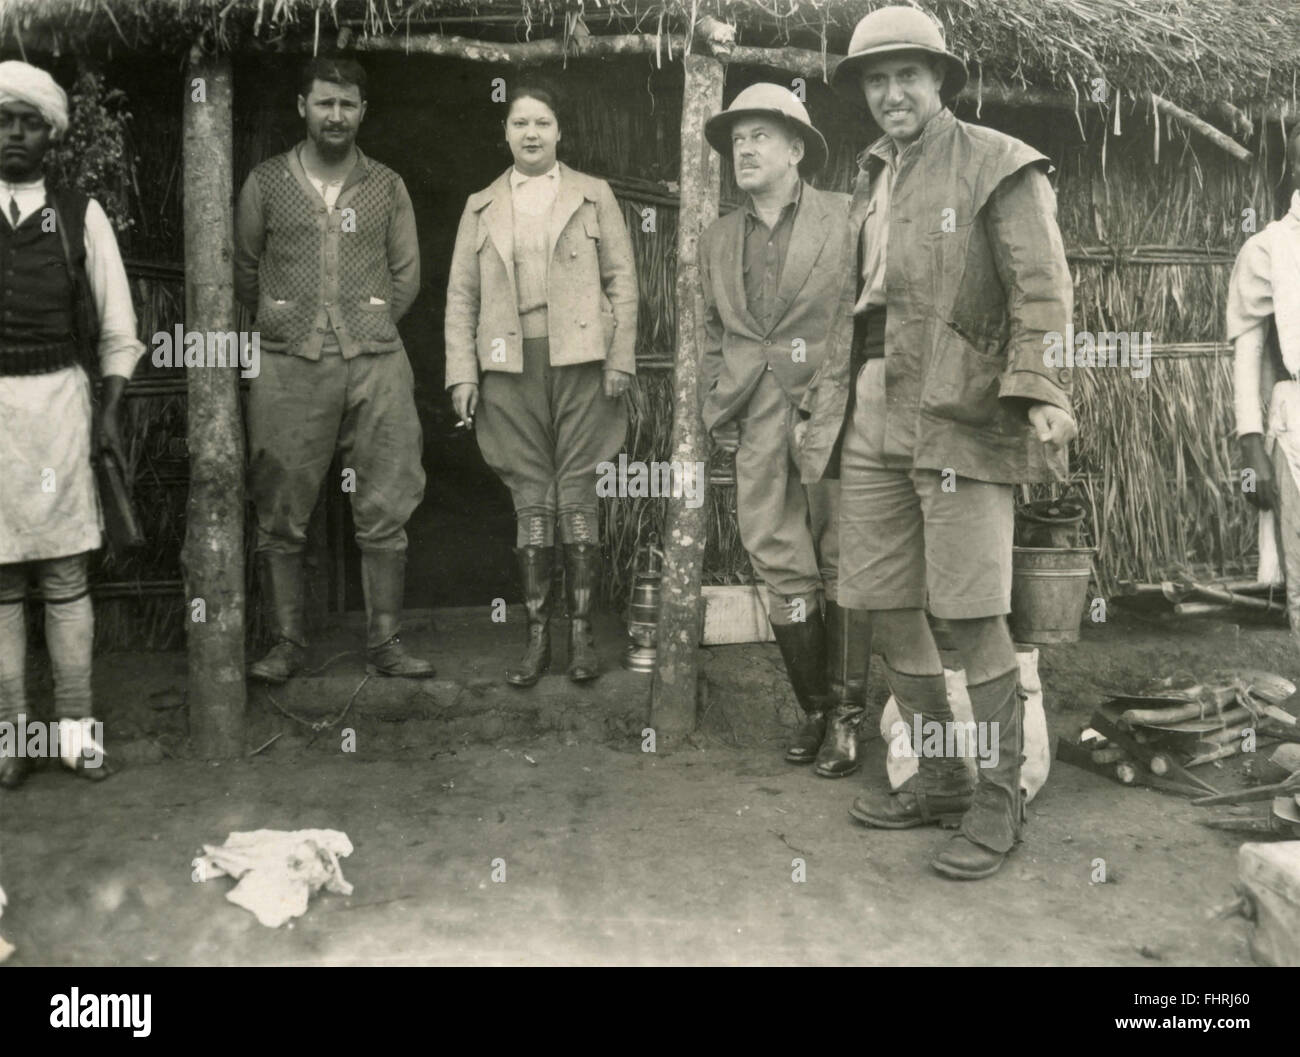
[813, 318]
[975, 278]
[591, 282]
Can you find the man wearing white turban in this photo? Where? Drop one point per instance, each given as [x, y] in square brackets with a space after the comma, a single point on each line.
[58, 254]
[20, 82]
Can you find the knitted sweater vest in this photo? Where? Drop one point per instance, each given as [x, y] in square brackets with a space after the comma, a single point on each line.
[289, 272]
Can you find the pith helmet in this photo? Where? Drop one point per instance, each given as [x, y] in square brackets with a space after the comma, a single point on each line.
[893, 29]
[768, 100]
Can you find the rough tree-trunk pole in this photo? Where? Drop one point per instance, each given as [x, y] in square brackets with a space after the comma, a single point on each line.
[213, 555]
[672, 700]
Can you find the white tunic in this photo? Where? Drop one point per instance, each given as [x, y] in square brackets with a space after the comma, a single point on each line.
[50, 507]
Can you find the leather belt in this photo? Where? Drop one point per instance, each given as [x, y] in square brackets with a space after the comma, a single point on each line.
[37, 359]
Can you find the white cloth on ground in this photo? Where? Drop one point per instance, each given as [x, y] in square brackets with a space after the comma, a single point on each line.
[278, 870]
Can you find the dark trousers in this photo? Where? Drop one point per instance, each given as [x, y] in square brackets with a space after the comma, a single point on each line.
[300, 411]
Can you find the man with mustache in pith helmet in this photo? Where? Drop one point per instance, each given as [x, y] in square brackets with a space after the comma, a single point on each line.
[778, 297]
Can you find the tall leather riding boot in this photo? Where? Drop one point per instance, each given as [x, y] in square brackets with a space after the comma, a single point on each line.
[282, 590]
[581, 576]
[803, 648]
[990, 829]
[848, 655]
[383, 580]
[536, 568]
[13, 694]
[940, 792]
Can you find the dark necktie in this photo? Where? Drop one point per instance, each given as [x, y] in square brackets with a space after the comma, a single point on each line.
[13, 209]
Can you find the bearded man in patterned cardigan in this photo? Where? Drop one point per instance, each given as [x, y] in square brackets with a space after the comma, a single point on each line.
[327, 257]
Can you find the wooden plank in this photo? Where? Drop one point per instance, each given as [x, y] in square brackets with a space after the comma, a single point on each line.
[212, 558]
[736, 613]
[673, 696]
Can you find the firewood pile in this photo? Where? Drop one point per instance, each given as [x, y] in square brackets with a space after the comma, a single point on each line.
[1160, 737]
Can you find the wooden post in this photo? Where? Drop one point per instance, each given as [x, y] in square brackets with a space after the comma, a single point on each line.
[213, 555]
[672, 699]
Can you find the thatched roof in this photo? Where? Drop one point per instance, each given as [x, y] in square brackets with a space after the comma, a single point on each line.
[1196, 52]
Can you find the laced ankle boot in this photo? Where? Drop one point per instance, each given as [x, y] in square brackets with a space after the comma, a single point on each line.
[940, 792]
[536, 570]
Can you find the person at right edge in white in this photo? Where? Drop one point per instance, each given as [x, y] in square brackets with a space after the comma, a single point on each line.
[1263, 325]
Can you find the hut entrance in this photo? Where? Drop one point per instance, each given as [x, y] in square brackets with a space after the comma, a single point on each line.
[438, 123]
[434, 123]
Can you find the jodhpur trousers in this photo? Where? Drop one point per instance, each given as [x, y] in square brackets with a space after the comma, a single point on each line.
[300, 411]
[544, 432]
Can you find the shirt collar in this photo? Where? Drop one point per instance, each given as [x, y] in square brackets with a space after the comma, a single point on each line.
[1294, 211]
[7, 188]
[517, 178]
[791, 206]
[886, 150]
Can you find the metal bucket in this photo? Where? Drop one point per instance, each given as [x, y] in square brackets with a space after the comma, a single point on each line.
[1049, 590]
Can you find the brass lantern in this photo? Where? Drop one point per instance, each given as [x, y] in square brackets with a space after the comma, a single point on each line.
[643, 608]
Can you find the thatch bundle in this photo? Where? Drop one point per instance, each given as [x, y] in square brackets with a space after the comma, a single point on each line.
[1155, 456]
[1193, 51]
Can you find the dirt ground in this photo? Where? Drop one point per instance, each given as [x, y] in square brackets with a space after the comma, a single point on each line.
[612, 855]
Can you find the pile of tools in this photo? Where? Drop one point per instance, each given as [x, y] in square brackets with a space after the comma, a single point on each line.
[1283, 815]
[1186, 596]
[1155, 739]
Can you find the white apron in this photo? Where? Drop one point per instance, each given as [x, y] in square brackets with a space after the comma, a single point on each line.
[49, 507]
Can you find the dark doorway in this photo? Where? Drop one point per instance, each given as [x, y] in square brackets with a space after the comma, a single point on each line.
[435, 124]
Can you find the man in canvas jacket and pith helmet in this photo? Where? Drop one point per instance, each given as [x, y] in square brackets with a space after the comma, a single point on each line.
[945, 402]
